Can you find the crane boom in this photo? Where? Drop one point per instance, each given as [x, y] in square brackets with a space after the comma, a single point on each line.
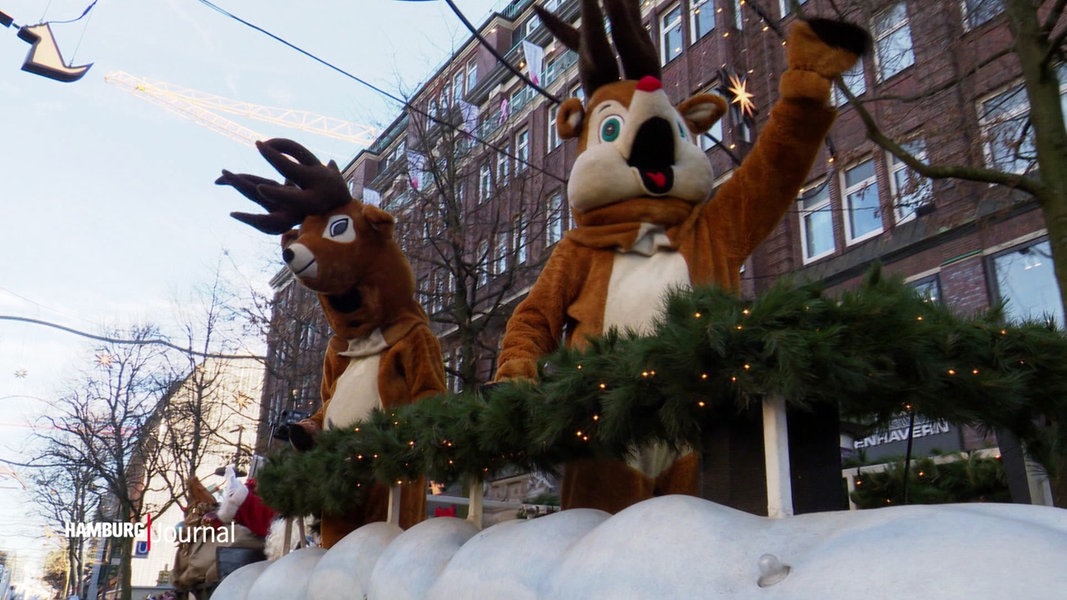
[200, 106]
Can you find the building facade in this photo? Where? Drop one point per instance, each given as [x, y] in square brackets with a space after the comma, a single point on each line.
[476, 174]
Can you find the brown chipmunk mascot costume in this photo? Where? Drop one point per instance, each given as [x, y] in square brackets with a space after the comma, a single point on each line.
[644, 223]
[382, 352]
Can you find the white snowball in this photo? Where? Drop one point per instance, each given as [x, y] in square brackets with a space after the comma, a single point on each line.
[413, 561]
[287, 577]
[345, 570]
[235, 585]
[512, 559]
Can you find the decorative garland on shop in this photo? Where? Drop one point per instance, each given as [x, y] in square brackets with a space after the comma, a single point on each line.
[875, 351]
[973, 478]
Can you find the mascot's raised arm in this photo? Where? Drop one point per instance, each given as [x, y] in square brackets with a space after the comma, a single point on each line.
[644, 222]
[381, 353]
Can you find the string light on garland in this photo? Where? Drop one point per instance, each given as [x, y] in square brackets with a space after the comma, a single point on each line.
[565, 415]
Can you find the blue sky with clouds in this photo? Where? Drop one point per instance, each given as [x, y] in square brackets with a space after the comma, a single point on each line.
[108, 201]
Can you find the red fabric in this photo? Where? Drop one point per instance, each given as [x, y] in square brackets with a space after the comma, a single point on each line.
[254, 513]
[649, 83]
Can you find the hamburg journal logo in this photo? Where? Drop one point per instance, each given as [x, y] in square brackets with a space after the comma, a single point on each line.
[143, 533]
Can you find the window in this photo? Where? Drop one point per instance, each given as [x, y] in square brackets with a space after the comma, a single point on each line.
[457, 88]
[816, 221]
[522, 150]
[499, 260]
[483, 262]
[701, 18]
[446, 95]
[519, 243]
[892, 35]
[554, 219]
[578, 93]
[739, 17]
[670, 34]
[553, 133]
[472, 74]
[976, 12]
[928, 288]
[910, 190]
[787, 6]
[1009, 139]
[433, 108]
[1026, 282]
[503, 163]
[705, 142]
[855, 81]
[863, 214]
[742, 131]
[485, 183]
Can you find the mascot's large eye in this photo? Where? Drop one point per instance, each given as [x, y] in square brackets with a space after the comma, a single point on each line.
[339, 229]
[610, 129]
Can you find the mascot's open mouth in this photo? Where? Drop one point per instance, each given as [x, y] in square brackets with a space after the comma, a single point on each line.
[652, 155]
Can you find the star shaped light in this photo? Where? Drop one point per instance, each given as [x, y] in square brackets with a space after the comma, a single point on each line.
[21, 373]
[738, 88]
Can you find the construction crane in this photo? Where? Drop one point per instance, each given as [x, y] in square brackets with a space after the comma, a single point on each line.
[203, 108]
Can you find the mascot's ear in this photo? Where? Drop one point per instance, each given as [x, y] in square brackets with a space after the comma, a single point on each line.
[569, 118]
[378, 219]
[702, 111]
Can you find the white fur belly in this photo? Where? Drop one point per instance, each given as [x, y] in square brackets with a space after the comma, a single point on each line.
[637, 288]
[356, 394]
[635, 299]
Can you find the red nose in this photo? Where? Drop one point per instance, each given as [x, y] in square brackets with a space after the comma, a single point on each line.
[649, 83]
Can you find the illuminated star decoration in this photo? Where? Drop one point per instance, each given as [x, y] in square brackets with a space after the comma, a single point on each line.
[736, 89]
[104, 359]
[21, 373]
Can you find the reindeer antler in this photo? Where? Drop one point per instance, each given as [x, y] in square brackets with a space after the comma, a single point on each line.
[311, 188]
[635, 48]
[598, 63]
[597, 60]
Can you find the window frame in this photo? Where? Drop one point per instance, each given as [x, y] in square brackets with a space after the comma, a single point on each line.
[917, 148]
[554, 214]
[986, 16]
[803, 212]
[472, 75]
[858, 73]
[986, 124]
[890, 33]
[552, 135]
[696, 8]
[485, 182]
[998, 295]
[522, 149]
[848, 191]
[664, 31]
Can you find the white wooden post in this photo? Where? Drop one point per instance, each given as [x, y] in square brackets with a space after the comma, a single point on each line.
[776, 456]
[392, 514]
[474, 509]
[287, 540]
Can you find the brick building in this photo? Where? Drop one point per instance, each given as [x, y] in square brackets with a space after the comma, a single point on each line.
[947, 89]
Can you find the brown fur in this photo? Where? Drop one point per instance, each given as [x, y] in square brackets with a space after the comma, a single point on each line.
[715, 237]
[364, 284]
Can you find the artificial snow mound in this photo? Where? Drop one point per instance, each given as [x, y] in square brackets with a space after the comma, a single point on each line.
[681, 547]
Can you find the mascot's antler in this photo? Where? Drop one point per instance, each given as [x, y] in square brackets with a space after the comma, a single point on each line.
[598, 66]
[311, 188]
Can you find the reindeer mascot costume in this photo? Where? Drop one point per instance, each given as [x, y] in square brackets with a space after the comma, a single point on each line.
[639, 194]
[382, 353]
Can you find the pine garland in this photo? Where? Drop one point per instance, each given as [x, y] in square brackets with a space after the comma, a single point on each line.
[971, 479]
[874, 351]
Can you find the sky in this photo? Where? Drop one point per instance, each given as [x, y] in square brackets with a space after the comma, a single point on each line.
[108, 203]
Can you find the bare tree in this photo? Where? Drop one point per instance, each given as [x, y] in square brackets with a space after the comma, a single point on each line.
[473, 224]
[102, 427]
[67, 495]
